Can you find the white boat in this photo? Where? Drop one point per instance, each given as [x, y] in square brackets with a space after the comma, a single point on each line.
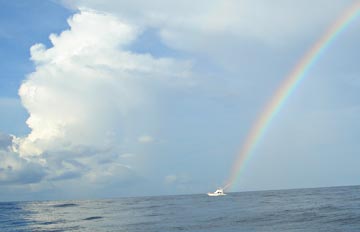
[218, 192]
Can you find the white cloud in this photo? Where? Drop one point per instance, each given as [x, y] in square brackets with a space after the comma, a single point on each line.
[231, 35]
[87, 84]
[145, 139]
[194, 25]
[85, 89]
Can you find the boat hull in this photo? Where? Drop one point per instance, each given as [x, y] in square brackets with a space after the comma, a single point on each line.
[216, 194]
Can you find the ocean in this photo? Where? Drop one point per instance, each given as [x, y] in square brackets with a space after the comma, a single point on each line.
[318, 209]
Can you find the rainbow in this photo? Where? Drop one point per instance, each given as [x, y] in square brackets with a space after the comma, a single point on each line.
[288, 86]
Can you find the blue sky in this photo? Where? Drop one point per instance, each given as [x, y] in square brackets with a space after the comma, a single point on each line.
[158, 98]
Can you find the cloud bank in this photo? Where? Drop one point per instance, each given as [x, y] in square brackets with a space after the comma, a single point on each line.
[185, 24]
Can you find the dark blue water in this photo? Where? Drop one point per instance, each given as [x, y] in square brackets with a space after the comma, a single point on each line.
[322, 209]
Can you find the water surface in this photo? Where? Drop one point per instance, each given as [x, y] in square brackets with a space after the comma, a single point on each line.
[322, 209]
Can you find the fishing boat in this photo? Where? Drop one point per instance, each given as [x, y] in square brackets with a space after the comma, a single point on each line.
[218, 192]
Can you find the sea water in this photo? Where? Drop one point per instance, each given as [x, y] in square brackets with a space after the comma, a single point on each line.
[320, 209]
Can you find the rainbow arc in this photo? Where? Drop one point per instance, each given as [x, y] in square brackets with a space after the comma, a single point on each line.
[288, 86]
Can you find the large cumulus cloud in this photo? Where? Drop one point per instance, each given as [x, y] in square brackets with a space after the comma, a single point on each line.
[81, 99]
[86, 85]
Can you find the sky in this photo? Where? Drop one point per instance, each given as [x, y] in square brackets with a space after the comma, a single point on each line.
[131, 98]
